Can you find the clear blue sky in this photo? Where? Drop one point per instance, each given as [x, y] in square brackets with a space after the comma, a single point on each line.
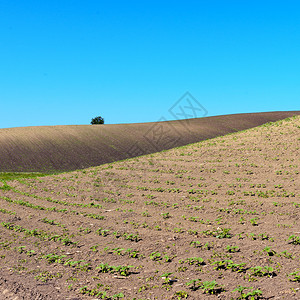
[65, 61]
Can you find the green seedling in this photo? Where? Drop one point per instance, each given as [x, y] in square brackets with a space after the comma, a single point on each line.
[195, 244]
[254, 221]
[269, 251]
[211, 287]
[295, 240]
[222, 264]
[237, 267]
[287, 254]
[166, 215]
[251, 295]
[121, 270]
[294, 276]
[103, 232]
[259, 271]
[94, 248]
[219, 233]
[155, 256]
[232, 249]
[118, 296]
[166, 277]
[181, 295]
[198, 261]
[194, 284]
[131, 237]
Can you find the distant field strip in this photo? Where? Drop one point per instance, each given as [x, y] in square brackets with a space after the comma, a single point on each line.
[50, 149]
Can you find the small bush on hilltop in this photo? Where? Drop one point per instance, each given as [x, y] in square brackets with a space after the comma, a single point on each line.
[97, 120]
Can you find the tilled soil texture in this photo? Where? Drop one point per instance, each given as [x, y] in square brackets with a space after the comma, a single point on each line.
[64, 148]
[218, 219]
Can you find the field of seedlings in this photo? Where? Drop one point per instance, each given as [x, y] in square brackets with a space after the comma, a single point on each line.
[217, 219]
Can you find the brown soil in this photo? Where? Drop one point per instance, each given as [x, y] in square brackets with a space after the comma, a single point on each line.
[65, 148]
[224, 210]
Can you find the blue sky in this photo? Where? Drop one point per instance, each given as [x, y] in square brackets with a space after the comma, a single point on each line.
[65, 61]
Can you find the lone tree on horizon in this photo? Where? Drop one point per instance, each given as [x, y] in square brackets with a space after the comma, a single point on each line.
[97, 120]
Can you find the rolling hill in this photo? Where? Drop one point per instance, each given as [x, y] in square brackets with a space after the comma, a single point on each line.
[64, 148]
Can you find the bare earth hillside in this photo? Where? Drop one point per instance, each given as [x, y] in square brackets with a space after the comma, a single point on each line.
[218, 219]
[64, 148]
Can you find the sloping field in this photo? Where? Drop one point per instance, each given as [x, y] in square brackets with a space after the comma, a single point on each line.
[64, 148]
[218, 219]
